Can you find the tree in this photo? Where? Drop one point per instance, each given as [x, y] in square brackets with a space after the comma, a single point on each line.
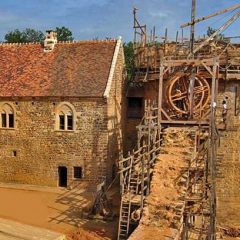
[129, 58]
[32, 35]
[15, 37]
[27, 35]
[219, 36]
[64, 34]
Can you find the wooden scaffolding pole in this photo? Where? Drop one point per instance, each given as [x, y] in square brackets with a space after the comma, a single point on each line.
[192, 34]
[212, 228]
[160, 96]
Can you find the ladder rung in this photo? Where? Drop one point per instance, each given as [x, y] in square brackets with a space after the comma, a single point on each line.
[121, 225]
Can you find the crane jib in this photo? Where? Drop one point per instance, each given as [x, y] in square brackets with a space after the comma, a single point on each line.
[210, 16]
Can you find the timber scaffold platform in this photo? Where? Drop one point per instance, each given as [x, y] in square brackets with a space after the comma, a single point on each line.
[185, 75]
[136, 171]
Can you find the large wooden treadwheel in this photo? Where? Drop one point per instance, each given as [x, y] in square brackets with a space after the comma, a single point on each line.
[187, 95]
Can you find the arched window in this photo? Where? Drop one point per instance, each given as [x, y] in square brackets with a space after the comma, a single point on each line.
[65, 117]
[7, 116]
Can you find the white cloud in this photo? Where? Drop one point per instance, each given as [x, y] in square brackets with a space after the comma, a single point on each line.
[160, 14]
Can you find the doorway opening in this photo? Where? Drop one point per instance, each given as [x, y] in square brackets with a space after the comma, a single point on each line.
[62, 175]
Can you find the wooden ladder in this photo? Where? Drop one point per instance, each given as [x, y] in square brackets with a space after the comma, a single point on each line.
[124, 219]
[134, 182]
[125, 209]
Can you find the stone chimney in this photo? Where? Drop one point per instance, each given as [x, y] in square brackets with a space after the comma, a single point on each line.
[50, 40]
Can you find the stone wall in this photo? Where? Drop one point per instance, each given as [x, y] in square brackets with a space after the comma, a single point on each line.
[228, 159]
[32, 152]
[116, 112]
[40, 148]
[229, 90]
[148, 92]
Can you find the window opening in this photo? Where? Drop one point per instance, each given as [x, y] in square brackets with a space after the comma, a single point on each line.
[14, 153]
[77, 172]
[11, 120]
[135, 107]
[69, 122]
[7, 116]
[65, 118]
[61, 122]
[4, 120]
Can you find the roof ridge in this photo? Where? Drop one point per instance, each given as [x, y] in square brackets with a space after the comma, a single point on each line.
[18, 44]
[87, 41]
[60, 42]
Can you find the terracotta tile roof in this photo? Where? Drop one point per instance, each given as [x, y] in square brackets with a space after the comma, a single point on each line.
[71, 69]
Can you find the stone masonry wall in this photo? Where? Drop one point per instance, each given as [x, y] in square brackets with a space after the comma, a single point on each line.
[116, 116]
[227, 90]
[40, 149]
[228, 160]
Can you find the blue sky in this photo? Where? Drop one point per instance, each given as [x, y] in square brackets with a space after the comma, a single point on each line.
[90, 19]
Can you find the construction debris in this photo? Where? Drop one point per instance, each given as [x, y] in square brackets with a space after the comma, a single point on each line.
[231, 231]
[169, 207]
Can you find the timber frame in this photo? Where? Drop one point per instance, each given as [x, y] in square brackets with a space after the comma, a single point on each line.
[136, 172]
[187, 74]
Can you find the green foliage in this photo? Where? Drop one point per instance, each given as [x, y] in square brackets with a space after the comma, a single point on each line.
[129, 59]
[15, 37]
[64, 34]
[31, 35]
[27, 35]
[220, 36]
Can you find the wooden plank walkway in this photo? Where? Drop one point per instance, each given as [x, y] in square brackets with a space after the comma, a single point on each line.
[10, 230]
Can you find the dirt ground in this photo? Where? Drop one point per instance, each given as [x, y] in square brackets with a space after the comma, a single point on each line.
[229, 217]
[57, 210]
[158, 216]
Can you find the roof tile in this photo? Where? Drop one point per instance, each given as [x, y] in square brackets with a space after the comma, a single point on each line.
[71, 69]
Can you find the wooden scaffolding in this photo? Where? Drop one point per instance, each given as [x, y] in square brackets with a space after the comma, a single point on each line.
[187, 76]
[136, 171]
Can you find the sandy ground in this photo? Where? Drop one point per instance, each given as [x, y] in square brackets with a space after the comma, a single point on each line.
[230, 216]
[11, 230]
[59, 211]
[158, 221]
[43, 209]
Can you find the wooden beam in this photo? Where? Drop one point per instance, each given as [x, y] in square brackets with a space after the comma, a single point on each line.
[186, 122]
[195, 62]
[207, 68]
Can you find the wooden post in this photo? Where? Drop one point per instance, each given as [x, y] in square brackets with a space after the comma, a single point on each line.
[160, 94]
[192, 34]
[212, 229]
[176, 41]
[121, 176]
[191, 92]
[182, 37]
[142, 177]
[165, 40]
[148, 147]
[154, 34]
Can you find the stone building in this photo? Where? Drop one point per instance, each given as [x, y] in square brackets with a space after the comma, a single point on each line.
[61, 111]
